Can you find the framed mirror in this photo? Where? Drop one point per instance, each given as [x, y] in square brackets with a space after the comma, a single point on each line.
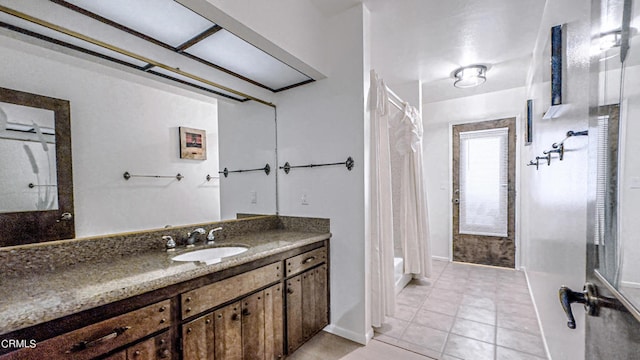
[36, 169]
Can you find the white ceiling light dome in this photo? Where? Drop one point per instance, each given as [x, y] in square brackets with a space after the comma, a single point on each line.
[470, 76]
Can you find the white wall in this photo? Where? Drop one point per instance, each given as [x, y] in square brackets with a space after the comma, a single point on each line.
[247, 141]
[122, 122]
[438, 118]
[554, 198]
[324, 122]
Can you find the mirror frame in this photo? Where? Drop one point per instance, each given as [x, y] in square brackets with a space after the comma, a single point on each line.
[25, 227]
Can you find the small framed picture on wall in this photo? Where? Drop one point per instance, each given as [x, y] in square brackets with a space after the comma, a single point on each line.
[193, 143]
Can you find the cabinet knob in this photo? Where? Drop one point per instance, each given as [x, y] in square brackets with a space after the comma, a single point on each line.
[163, 320]
[289, 291]
[188, 299]
[187, 309]
[165, 353]
[208, 321]
[163, 308]
[136, 353]
[235, 317]
[189, 330]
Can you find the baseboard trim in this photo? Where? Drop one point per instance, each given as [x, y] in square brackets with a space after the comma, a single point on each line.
[535, 308]
[348, 334]
[441, 258]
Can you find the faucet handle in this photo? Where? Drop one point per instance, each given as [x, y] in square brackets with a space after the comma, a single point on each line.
[171, 244]
[211, 236]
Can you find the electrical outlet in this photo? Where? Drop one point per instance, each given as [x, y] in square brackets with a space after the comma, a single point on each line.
[254, 197]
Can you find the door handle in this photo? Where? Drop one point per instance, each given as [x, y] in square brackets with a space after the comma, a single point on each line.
[589, 297]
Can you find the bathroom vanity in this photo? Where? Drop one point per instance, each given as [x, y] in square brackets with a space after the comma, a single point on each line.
[261, 304]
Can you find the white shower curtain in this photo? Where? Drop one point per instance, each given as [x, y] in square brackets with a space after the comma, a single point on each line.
[413, 221]
[381, 206]
[406, 128]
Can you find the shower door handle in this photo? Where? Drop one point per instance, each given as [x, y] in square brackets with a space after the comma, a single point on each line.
[589, 297]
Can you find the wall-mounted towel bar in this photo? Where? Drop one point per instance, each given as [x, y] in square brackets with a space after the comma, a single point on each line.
[127, 175]
[556, 148]
[348, 163]
[226, 172]
[32, 185]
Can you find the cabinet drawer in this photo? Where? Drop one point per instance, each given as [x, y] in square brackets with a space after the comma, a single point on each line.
[209, 296]
[305, 261]
[100, 338]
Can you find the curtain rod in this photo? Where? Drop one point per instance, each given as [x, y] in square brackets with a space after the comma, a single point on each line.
[102, 44]
[394, 99]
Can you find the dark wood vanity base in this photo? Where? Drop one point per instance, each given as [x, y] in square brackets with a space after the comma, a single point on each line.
[255, 310]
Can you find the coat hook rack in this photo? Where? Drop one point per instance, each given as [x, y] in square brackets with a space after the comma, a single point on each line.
[349, 163]
[226, 172]
[127, 175]
[209, 177]
[557, 148]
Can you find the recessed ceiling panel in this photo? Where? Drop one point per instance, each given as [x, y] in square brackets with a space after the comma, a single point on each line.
[195, 82]
[163, 20]
[230, 52]
[41, 30]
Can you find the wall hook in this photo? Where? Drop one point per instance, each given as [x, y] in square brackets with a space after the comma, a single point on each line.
[536, 164]
[548, 158]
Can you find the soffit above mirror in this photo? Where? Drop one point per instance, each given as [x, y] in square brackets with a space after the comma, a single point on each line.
[168, 33]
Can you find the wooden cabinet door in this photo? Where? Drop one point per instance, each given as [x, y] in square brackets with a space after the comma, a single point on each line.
[321, 298]
[253, 326]
[198, 338]
[307, 310]
[294, 313]
[273, 323]
[228, 330]
[121, 355]
[308, 304]
[145, 350]
[157, 347]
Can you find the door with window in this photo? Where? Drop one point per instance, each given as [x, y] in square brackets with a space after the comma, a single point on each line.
[484, 192]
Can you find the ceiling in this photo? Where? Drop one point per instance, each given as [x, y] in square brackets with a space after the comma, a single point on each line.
[412, 40]
[427, 40]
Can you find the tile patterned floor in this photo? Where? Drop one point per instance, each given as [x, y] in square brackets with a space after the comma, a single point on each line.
[466, 312]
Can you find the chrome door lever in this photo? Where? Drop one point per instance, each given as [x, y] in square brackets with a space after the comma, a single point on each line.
[589, 297]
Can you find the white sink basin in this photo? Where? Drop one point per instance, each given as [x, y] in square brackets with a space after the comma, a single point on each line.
[212, 255]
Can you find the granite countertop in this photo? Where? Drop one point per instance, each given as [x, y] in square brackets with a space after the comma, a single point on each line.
[40, 297]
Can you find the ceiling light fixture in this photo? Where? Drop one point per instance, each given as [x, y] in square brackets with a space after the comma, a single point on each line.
[470, 76]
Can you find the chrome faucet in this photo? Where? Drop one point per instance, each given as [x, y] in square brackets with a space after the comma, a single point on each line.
[191, 236]
[171, 244]
[211, 236]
